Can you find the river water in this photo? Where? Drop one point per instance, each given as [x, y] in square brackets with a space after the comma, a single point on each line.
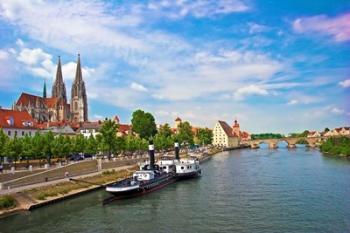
[260, 190]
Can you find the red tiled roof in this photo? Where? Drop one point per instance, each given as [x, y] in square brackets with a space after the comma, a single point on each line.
[16, 119]
[26, 98]
[244, 134]
[123, 128]
[227, 129]
[51, 102]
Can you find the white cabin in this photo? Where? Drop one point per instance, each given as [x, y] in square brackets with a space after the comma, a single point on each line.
[143, 175]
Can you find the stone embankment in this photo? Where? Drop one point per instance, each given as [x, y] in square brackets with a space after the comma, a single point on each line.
[43, 188]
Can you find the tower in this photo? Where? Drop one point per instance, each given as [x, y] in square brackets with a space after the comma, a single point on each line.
[236, 129]
[44, 90]
[58, 88]
[79, 107]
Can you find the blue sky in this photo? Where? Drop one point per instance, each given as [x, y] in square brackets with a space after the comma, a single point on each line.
[276, 67]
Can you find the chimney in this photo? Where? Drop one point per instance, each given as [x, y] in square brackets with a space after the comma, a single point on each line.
[177, 150]
[151, 155]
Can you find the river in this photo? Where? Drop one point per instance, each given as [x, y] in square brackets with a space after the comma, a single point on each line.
[262, 190]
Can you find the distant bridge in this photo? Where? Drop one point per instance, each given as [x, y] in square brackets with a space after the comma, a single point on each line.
[291, 142]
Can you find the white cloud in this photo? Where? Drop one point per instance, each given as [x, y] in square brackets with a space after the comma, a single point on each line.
[252, 89]
[293, 102]
[3, 55]
[196, 8]
[254, 28]
[345, 83]
[337, 111]
[138, 87]
[337, 27]
[84, 25]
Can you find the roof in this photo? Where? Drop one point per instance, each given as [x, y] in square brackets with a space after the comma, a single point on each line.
[26, 98]
[63, 130]
[178, 119]
[91, 125]
[51, 102]
[123, 128]
[16, 119]
[226, 128]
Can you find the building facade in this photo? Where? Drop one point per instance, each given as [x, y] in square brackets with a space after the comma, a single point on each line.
[223, 135]
[16, 123]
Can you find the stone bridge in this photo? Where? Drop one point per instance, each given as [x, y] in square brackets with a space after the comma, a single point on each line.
[311, 141]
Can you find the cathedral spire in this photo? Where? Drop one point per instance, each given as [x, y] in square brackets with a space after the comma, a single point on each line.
[78, 73]
[44, 90]
[79, 107]
[58, 88]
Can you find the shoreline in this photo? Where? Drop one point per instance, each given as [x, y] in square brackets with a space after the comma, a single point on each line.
[31, 203]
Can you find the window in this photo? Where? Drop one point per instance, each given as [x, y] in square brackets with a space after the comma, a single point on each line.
[75, 106]
[15, 133]
[22, 133]
[9, 133]
[30, 133]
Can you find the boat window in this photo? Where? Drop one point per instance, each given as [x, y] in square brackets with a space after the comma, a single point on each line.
[182, 167]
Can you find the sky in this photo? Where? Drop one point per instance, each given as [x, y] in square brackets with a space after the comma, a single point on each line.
[275, 66]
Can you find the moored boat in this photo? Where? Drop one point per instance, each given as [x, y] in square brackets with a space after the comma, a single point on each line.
[149, 178]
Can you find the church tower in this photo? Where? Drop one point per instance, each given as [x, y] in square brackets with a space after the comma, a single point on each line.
[58, 88]
[79, 107]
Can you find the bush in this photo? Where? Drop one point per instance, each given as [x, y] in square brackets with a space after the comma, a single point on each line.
[337, 146]
[7, 201]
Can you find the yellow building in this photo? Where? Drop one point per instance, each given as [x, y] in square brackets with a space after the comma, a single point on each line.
[223, 135]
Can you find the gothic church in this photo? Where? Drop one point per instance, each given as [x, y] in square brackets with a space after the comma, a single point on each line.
[56, 108]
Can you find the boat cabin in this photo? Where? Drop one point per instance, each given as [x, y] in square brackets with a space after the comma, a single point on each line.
[143, 175]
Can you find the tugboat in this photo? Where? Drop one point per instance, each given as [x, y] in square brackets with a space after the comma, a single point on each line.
[186, 168]
[149, 178]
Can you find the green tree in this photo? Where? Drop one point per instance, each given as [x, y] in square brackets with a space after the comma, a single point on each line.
[48, 139]
[165, 130]
[38, 146]
[13, 149]
[3, 141]
[27, 148]
[143, 124]
[91, 145]
[108, 136]
[185, 134]
[79, 143]
[205, 136]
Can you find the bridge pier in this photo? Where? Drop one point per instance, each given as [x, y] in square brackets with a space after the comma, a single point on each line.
[272, 145]
[291, 146]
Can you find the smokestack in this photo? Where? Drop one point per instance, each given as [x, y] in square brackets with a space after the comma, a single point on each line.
[177, 151]
[151, 154]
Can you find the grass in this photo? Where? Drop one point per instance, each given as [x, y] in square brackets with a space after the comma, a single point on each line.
[7, 202]
[63, 188]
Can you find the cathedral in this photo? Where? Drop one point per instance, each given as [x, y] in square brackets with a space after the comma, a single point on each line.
[56, 108]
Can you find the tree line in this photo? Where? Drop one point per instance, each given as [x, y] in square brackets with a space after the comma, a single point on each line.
[47, 145]
[337, 146]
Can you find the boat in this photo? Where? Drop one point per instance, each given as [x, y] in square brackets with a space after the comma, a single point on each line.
[186, 168]
[149, 178]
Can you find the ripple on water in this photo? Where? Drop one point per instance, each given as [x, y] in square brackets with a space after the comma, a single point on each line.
[240, 191]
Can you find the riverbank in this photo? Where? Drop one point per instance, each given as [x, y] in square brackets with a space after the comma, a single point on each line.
[44, 194]
[36, 197]
[336, 146]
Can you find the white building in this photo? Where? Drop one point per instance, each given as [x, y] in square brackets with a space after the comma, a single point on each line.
[223, 135]
[90, 128]
[16, 123]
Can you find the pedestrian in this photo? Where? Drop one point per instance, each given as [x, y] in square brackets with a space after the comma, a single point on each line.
[66, 174]
[1, 168]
